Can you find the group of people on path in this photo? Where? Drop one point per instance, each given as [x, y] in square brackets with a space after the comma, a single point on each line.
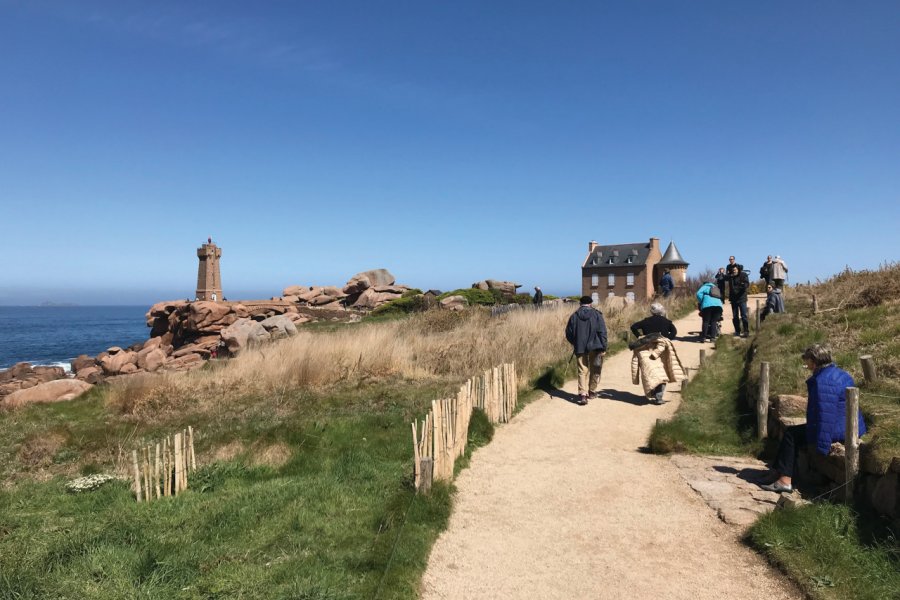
[655, 363]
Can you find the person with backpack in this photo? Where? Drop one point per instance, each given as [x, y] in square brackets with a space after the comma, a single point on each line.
[779, 272]
[765, 271]
[586, 331]
[709, 303]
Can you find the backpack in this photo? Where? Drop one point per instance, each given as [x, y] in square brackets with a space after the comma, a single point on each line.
[715, 292]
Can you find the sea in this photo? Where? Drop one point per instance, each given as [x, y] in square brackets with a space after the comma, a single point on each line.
[54, 335]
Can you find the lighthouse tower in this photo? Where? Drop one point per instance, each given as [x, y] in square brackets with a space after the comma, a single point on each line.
[209, 281]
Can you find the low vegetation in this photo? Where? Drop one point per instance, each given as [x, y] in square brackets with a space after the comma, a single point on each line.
[831, 551]
[304, 488]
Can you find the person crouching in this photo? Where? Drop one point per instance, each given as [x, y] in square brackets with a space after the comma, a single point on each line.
[654, 362]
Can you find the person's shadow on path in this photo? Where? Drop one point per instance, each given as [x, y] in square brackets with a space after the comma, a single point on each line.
[555, 392]
[607, 394]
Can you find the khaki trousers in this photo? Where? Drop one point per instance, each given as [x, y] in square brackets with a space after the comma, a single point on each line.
[590, 364]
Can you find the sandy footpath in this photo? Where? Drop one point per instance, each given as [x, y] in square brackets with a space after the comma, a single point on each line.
[562, 504]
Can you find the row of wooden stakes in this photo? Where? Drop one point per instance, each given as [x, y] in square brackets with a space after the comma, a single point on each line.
[440, 438]
[168, 473]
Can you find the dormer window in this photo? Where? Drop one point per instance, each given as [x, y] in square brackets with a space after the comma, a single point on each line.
[629, 260]
[611, 260]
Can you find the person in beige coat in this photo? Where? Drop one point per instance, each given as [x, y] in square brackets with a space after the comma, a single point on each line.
[654, 363]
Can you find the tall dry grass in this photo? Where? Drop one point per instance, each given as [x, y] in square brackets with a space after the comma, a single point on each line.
[431, 345]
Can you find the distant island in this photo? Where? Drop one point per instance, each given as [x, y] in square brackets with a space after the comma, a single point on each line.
[56, 304]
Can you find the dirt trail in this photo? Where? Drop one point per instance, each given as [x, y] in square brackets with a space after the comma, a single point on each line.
[562, 504]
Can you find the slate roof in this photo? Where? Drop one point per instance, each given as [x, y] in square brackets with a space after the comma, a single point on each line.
[672, 257]
[619, 254]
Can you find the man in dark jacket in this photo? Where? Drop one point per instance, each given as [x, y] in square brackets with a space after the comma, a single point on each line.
[721, 278]
[538, 297]
[738, 284]
[765, 271]
[666, 284]
[586, 331]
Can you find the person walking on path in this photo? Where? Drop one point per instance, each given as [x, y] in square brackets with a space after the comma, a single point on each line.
[586, 331]
[825, 416]
[765, 271]
[738, 284]
[774, 302]
[666, 284]
[655, 362]
[779, 272]
[709, 303]
[538, 297]
[655, 323]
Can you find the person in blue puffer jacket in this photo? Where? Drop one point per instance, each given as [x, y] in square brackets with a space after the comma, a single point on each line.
[825, 416]
[710, 308]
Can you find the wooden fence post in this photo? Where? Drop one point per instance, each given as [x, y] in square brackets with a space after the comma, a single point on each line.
[851, 442]
[762, 402]
[702, 356]
[815, 304]
[757, 315]
[178, 466]
[137, 475]
[868, 366]
[426, 477]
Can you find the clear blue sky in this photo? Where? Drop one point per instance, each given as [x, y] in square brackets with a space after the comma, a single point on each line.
[446, 141]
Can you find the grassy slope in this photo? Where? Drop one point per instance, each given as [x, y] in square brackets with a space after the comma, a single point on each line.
[833, 552]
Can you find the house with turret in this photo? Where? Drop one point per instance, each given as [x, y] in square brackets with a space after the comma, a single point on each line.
[630, 271]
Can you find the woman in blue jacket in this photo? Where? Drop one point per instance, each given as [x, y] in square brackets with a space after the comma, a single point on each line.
[825, 416]
[710, 308]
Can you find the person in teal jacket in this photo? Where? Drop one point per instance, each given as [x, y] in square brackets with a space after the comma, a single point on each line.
[825, 416]
[710, 308]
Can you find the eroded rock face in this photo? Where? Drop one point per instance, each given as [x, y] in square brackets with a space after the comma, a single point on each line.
[454, 302]
[367, 279]
[505, 287]
[114, 363]
[151, 359]
[51, 391]
[82, 362]
[279, 326]
[243, 334]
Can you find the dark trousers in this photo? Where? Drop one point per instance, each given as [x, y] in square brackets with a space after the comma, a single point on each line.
[786, 460]
[711, 316]
[739, 316]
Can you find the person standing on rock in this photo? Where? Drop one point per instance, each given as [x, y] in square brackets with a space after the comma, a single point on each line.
[826, 418]
[586, 331]
[538, 297]
[738, 284]
[779, 272]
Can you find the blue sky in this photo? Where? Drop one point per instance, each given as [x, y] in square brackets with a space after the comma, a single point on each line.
[447, 142]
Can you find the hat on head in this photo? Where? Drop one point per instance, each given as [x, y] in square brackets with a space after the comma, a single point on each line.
[586, 300]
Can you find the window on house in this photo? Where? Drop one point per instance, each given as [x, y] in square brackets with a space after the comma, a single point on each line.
[629, 279]
[630, 296]
[595, 280]
[611, 295]
[595, 297]
[611, 280]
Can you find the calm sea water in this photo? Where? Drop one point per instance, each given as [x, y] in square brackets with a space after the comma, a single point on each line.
[57, 334]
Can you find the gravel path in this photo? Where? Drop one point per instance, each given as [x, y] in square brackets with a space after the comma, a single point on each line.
[563, 504]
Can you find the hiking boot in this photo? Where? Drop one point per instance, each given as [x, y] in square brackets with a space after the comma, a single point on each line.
[582, 400]
[777, 487]
[593, 395]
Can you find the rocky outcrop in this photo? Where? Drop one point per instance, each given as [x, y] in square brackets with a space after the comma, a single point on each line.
[51, 391]
[244, 334]
[369, 279]
[454, 302]
[279, 326]
[23, 376]
[507, 288]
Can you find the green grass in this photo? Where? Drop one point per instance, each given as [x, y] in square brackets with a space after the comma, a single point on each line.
[336, 518]
[711, 418]
[822, 549]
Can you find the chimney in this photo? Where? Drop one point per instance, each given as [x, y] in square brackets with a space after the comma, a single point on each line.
[591, 245]
[654, 243]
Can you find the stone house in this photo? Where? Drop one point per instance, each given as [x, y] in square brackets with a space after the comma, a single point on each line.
[630, 271]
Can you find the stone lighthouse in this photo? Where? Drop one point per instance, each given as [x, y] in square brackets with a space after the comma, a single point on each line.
[209, 282]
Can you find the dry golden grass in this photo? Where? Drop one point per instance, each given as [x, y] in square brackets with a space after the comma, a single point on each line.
[432, 345]
[855, 289]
